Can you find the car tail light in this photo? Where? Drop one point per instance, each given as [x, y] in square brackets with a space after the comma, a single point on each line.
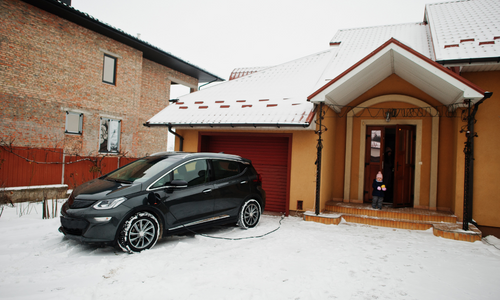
[258, 179]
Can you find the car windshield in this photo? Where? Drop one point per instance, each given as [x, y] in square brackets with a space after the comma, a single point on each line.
[140, 170]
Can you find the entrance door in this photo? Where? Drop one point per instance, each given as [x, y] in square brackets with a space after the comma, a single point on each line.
[404, 166]
[390, 150]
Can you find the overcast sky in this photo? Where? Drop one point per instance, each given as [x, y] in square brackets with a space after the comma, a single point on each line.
[220, 35]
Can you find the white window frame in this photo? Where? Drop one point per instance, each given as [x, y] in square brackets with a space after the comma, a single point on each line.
[109, 69]
[71, 119]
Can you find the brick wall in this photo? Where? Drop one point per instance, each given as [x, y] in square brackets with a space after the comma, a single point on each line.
[49, 65]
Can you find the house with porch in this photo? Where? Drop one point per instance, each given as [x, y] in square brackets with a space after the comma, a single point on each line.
[418, 102]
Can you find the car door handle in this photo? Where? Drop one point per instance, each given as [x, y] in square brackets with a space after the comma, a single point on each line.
[207, 191]
[243, 182]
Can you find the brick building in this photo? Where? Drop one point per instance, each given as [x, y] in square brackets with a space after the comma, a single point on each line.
[72, 83]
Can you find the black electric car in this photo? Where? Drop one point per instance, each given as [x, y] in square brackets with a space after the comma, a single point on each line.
[164, 194]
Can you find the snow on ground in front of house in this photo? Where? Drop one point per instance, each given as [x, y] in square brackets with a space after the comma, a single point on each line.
[302, 260]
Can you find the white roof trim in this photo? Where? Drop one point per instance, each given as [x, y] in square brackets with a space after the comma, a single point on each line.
[393, 58]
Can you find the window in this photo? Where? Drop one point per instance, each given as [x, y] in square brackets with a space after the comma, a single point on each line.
[163, 181]
[375, 145]
[109, 137]
[195, 172]
[109, 69]
[225, 169]
[141, 170]
[74, 122]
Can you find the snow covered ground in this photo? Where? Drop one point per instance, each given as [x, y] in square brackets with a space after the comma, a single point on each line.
[301, 260]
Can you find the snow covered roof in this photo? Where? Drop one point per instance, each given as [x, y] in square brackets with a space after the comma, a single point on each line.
[276, 96]
[465, 30]
[355, 44]
[240, 72]
[357, 60]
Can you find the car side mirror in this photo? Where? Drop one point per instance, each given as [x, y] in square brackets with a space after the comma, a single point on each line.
[177, 184]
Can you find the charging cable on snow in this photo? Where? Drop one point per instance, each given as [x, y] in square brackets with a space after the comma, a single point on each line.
[486, 241]
[232, 239]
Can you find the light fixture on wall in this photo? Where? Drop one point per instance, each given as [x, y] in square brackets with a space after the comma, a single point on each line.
[387, 116]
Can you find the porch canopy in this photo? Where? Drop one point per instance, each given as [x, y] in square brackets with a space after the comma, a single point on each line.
[394, 57]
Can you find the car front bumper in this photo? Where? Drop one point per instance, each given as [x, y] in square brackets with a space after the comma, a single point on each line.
[92, 226]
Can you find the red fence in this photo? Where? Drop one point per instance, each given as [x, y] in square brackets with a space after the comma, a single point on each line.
[27, 167]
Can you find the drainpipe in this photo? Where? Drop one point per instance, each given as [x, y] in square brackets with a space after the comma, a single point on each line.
[469, 162]
[181, 138]
[199, 88]
[319, 148]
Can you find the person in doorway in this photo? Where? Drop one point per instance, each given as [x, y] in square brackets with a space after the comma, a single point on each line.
[379, 189]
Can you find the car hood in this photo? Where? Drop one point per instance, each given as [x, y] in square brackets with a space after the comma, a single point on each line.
[99, 189]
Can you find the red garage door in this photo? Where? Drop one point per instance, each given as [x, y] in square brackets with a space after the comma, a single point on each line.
[270, 155]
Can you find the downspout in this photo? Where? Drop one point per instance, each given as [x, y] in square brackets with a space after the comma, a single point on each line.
[469, 162]
[181, 138]
[319, 148]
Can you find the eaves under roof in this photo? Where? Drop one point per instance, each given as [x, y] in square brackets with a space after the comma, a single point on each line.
[394, 57]
[150, 52]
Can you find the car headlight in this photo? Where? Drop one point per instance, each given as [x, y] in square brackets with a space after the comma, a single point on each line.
[108, 204]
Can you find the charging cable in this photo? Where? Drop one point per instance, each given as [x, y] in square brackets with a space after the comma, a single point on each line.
[232, 239]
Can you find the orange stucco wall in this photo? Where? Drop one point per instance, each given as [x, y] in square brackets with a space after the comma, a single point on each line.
[486, 208]
[303, 171]
[458, 170]
[332, 159]
[446, 164]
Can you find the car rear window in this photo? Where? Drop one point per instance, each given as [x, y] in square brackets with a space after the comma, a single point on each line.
[225, 168]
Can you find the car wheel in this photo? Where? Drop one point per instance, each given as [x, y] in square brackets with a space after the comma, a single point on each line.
[249, 214]
[139, 232]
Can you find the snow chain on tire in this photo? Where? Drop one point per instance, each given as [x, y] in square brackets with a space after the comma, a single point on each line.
[123, 239]
[244, 210]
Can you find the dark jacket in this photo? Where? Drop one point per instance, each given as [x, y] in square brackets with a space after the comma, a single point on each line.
[375, 185]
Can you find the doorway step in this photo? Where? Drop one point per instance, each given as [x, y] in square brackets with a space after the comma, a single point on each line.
[443, 224]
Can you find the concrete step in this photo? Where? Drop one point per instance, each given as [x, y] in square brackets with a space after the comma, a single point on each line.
[443, 224]
[407, 214]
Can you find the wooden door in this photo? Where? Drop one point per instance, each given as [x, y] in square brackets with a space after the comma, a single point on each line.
[404, 165]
